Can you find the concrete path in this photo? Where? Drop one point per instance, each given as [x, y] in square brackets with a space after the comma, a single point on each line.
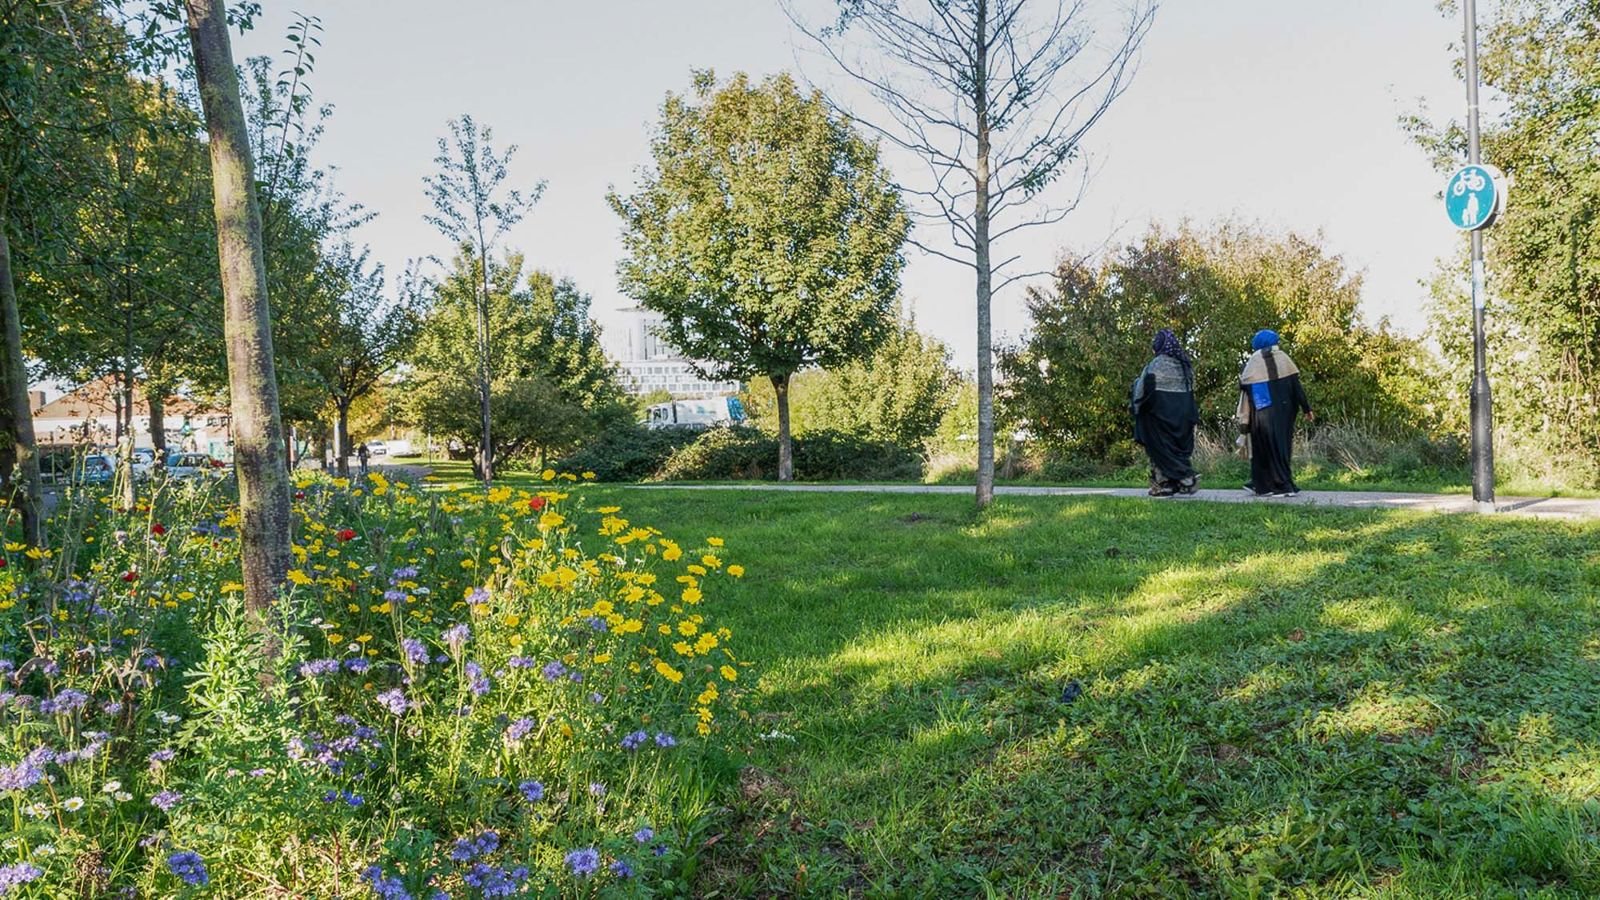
[1533, 507]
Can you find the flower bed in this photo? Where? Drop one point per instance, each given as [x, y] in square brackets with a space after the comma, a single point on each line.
[463, 694]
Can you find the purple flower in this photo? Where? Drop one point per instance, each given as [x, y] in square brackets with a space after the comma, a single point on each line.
[478, 595]
[596, 789]
[585, 862]
[385, 887]
[317, 668]
[532, 791]
[596, 697]
[575, 676]
[394, 700]
[621, 869]
[597, 623]
[456, 636]
[357, 665]
[28, 772]
[16, 875]
[644, 835]
[522, 662]
[553, 670]
[493, 881]
[519, 729]
[665, 740]
[659, 849]
[402, 574]
[394, 596]
[64, 702]
[111, 707]
[166, 800]
[188, 866]
[635, 740]
[479, 682]
[164, 755]
[415, 651]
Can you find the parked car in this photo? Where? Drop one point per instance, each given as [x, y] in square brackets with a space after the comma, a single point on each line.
[69, 468]
[192, 465]
[377, 448]
[696, 413]
[144, 461]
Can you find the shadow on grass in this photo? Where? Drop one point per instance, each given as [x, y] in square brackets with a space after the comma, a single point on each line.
[1275, 699]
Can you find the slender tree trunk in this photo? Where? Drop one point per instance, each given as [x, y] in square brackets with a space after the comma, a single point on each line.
[128, 436]
[341, 439]
[252, 379]
[780, 387]
[29, 494]
[486, 447]
[156, 398]
[980, 224]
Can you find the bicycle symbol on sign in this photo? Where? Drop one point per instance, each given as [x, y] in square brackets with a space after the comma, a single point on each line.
[1470, 180]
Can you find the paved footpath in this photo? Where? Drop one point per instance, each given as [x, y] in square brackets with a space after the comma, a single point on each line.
[1533, 507]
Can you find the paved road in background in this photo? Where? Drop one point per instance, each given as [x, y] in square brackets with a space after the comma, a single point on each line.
[1533, 507]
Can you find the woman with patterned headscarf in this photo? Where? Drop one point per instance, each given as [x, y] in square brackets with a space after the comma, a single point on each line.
[1270, 396]
[1164, 416]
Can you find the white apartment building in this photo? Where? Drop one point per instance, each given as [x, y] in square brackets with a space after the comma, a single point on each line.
[651, 364]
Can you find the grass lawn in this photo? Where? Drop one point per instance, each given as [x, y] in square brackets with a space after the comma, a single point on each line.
[1274, 700]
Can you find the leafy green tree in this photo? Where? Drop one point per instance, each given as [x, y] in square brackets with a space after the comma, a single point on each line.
[766, 233]
[1541, 60]
[898, 396]
[551, 385]
[1069, 380]
[472, 211]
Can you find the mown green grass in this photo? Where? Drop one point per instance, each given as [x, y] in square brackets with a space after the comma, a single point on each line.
[1276, 701]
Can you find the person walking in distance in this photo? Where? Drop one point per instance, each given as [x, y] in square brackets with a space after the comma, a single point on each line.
[362, 455]
[1270, 398]
[1165, 415]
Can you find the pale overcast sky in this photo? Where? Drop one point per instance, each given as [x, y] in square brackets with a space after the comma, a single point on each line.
[1282, 111]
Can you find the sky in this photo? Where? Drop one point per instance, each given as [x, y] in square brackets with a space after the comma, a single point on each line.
[1281, 112]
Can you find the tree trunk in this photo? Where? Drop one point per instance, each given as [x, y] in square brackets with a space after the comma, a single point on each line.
[780, 387]
[156, 398]
[127, 440]
[486, 446]
[29, 494]
[980, 224]
[252, 379]
[341, 439]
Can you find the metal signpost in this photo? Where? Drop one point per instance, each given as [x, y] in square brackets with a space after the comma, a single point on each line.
[1473, 198]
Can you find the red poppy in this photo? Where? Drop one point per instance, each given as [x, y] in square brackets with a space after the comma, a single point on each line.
[345, 534]
[299, 495]
[536, 504]
[130, 575]
[158, 529]
[2, 563]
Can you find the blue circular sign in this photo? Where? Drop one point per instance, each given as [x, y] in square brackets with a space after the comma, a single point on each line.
[1472, 197]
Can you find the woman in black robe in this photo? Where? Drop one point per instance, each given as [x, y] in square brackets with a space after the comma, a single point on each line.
[1270, 397]
[1164, 416]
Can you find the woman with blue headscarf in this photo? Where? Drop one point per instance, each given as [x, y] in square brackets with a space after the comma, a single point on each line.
[1164, 416]
[1270, 397]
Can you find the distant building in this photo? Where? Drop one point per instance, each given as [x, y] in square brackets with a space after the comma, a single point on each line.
[650, 364]
[88, 416]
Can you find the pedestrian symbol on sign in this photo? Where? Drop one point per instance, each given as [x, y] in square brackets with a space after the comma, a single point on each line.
[1473, 196]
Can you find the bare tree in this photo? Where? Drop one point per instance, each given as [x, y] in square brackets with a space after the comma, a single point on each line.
[470, 211]
[995, 96]
[252, 376]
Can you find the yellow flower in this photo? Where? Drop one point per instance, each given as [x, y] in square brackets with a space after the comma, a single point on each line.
[710, 562]
[335, 638]
[692, 595]
[729, 673]
[383, 608]
[601, 659]
[668, 672]
[512, 620]
[469, 564]
[672, 553]
[15, 546]
[697, 570]
[566, 730]
[548, 474]
[682, 648]
[588, 476]
[299, 577]
[603, 608]
[499, 494]
[232, 587]
[364, 639]
[687, 628]
[706, 644]
[714, 541]
[630, 626]
[186, 595]
[736, 571]
[551, 519]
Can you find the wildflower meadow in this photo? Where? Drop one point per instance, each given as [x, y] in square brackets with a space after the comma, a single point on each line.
[464, 693]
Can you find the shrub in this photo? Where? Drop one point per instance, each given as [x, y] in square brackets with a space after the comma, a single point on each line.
[747, 454]
[475, 692]
[628, 454]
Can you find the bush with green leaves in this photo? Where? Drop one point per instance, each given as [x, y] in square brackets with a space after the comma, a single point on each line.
[742, 453]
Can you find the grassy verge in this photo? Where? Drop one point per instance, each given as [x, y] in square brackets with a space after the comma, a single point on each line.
[1268, 700]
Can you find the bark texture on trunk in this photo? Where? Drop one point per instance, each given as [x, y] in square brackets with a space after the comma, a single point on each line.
[486, 446]
[156, 397]
[780, 387]
[252, 379]
[980, 224]
[341, 441]
[28, 495]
